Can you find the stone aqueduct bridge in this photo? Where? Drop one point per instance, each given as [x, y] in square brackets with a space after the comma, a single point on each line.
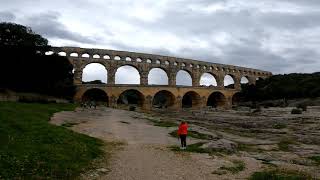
[199, 95]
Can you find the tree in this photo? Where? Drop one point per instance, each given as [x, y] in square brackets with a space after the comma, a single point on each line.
[25, 69]
[17, 35]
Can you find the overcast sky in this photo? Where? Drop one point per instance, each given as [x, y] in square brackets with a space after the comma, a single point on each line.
[281, 36]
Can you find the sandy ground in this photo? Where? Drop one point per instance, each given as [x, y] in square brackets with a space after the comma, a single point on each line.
[145, 154]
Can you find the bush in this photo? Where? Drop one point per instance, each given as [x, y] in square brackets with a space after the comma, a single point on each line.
[302, 106]
[296, 111]
[132, 108]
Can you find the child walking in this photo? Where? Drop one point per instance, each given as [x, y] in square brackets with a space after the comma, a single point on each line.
[182, 133]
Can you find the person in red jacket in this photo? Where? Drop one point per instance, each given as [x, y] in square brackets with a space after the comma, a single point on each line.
[182, 133]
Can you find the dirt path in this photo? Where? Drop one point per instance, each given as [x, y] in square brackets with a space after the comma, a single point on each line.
[146, 154]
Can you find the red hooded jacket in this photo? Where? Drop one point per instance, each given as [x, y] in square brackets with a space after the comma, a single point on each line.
[183, 129]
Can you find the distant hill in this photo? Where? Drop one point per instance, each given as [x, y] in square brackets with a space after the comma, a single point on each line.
[287, 86]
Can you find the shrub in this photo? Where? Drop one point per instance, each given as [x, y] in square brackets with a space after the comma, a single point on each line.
[296, 111]
[132, 108]
[302, 106]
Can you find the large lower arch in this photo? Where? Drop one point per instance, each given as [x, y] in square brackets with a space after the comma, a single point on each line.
[127, 75]
[191, 100]
[163, 99]
[157, 76]
[97, 95]
[131, 97]
[236, 98]
[216, 99]
[94, 73]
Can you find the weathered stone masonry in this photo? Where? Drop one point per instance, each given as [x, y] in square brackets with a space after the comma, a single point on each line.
[112, 60]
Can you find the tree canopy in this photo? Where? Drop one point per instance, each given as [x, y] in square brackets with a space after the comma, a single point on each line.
[18, 35]
[24, 67]
[288, 86]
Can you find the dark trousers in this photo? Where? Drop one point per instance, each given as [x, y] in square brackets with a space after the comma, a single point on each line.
[183, 138]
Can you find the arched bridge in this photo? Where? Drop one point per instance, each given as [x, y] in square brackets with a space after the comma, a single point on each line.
[148, 96]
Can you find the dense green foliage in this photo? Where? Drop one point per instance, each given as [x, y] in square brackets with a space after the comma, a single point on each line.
[32, 148]
[288, 86]
[24, 67]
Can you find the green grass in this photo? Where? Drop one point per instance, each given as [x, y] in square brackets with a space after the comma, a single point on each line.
[279, 175]
[31, 148]
[193, 134]
[237, 167]
[316, 159]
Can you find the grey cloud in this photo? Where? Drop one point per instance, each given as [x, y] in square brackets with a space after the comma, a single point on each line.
[280, 41]
[48, 25]
[7, 16]
[290, 21]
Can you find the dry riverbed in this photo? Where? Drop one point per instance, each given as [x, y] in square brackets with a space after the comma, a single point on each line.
[226, 144]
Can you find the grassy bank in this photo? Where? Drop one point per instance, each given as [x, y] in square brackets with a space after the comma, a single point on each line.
[31, 148]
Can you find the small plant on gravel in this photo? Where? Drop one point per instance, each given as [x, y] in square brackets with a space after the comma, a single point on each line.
[69, 124]
[125, 122]
[302, 106]
[279, 175]
[316, 159]
[279, 126]
[237, 167]
[296, 111]
[284, 144]
[132, 108]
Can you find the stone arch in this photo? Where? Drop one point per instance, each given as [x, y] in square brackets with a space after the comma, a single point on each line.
[259, 78]
[94, 72]
[117, 58]
[163, 99]
[128, 58]
[216, 99]
[244, 80]
[229, 81]
[97, 95]
[74, 54]
[184, 78]
[158, 76]
[62, 53]
[191, 99]
[121, 75]
[131, 97]
[138, 60]
[96, 56]
[208, 79]
[236, 98]
[106, 56]
[85, 55]
[49, 53]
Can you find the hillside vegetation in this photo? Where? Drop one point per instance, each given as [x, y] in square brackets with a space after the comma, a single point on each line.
[287, 86]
